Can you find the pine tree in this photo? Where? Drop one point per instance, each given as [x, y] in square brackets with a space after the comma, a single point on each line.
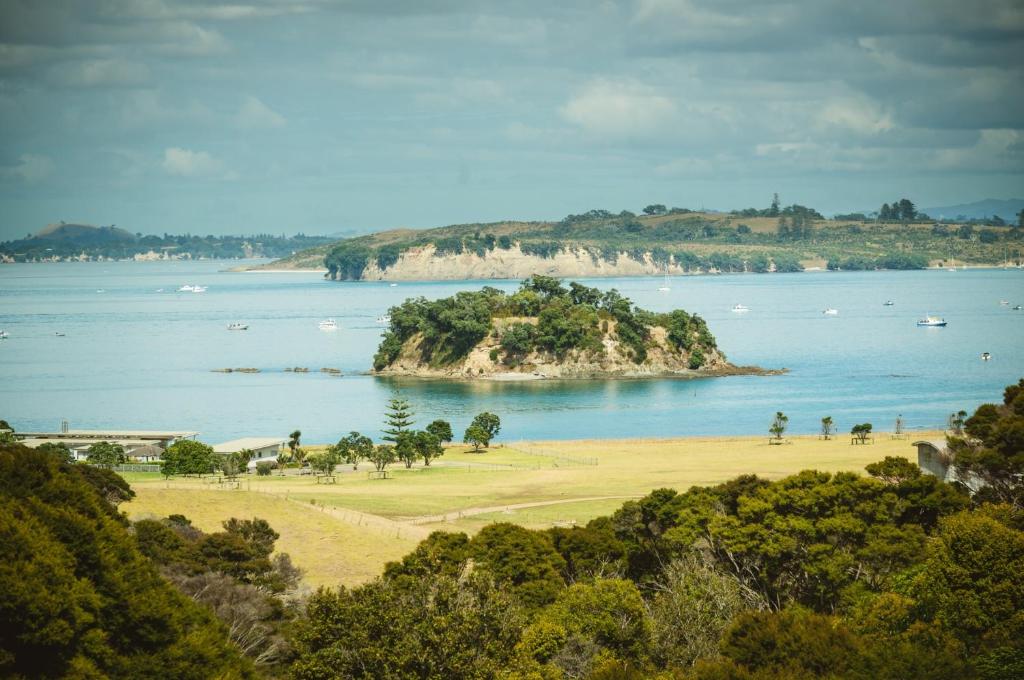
[398, 417]
[774, 210]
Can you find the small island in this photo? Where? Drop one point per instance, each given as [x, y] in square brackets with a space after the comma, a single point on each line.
[546, 330]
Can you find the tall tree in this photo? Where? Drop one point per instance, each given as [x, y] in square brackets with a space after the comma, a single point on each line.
[441, 429]
[490, 423]
[778, 426]
[907, 210]
[827, 427]
[773, 211]
[398, 416]
[294, 439]
[188, 457]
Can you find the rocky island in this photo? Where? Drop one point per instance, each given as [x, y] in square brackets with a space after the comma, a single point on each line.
[546, 330]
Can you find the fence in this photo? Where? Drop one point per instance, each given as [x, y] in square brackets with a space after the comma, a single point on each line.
[533, 450]
[135, 467]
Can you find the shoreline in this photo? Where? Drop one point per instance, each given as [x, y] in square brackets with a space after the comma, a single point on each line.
[513, 376]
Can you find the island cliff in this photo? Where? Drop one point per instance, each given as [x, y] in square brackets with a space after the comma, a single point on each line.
[545, 330]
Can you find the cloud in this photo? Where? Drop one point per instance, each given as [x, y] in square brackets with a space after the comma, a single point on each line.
[101, 73]
[187, 163]
[29, 168]
[255, 114]
[623, 108]
[856, 114]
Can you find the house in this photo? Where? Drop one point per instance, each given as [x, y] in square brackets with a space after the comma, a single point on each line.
[146, 445]
[263, 448]
[935, 458]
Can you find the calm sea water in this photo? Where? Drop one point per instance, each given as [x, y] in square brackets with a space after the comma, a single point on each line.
[135, 358]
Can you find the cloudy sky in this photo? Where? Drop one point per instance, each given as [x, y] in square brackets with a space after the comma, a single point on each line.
[281, 116]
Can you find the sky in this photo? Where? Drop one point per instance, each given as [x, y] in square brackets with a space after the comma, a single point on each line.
[348, 116]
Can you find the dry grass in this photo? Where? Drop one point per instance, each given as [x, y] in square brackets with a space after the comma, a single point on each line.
[358, 524]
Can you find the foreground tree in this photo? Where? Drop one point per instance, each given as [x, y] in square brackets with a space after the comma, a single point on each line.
[778, 426]
[992, 449]
[828, 428]
[105, 454]
[353, 448]
[78, 599]
[398, 417]
[188, 457]
[441, 429]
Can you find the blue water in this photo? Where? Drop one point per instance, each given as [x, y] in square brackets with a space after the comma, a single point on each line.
[135, 358]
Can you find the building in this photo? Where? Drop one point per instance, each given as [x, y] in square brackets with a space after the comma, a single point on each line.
[263, 448]
[147, 445]
[935, 458]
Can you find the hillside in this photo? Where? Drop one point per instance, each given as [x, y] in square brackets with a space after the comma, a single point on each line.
[1006, 209]
[545, 330]
[677, 241]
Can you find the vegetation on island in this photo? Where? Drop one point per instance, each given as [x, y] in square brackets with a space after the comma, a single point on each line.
[892, 575]
[542, 316]
[777, 239]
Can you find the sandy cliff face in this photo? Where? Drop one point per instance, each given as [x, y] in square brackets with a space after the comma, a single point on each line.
[424, 264]
[614, 362]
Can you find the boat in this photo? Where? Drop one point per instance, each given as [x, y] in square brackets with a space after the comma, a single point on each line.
[830, 311]
[4, 335]
[888, 303]
[384, 319]
[59, 334]
[393, 285]
[932, 321]
[186, 289]
[1016, 308]
[328, 325]
[985, 356]
[198, 289]
[1004, 302]
[238, 326]
[664, 288]
[740, 308]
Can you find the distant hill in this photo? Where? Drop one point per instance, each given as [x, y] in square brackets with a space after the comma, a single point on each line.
[83, 233]
[1006, 209]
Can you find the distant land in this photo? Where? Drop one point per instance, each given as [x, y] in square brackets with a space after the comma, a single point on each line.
[668, 241]
[64, 242]
[1006, 209]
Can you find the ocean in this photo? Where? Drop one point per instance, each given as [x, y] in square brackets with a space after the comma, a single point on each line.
[114, 345]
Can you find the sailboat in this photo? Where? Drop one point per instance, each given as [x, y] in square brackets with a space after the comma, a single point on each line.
[664, 288]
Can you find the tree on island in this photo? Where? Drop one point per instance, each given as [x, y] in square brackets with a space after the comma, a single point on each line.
[398, 416]
[353, 448]
[778, 426]
[441, 429]
[655, 209]
[861, 432]
[381, 456]
[105, 454]
[827, 427]
[188, 457]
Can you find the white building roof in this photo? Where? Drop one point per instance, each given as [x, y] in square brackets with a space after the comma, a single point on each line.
[102, 435]
[236, 445]
[79, 442]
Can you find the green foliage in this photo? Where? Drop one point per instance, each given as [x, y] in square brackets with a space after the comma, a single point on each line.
[435, 626]
[263, 468]
[993, 449]
[861, 432]
[78, 599]
[477, 436]
[398, 416]
[353, 448]
[347, 260]
[441, 429]
[573, 319]
[382, 456]
[778, 426]
[188, 457]
[524, 560]
[105, 454]
[325, 461]
[59, 449]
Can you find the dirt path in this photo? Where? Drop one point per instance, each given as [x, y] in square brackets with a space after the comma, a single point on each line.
[469, 512]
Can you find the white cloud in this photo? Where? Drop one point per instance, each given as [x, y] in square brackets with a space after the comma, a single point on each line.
[624, 108]
[188, 163]
[101, 73]
[29, 168]
[255, 114]
[995, 150]
[856, 114]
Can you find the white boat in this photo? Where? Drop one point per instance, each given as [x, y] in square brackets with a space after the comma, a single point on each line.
[4, 335]
[198, 289]
[238, 326]
[664, 288]
[830, 311]
[384, 320]
[1004, 302]
[985, 356]
[393, 285]
[888, 303]
[186, 289]
[932, 321]
[740, 308]
[328, 325]
[1016, 308]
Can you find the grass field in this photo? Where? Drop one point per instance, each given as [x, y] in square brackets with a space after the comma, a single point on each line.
[345, 532]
